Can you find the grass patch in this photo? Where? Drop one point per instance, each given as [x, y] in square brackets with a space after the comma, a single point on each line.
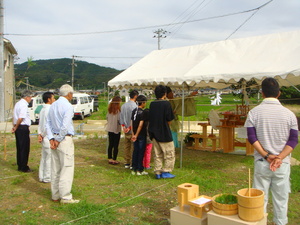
[109, 194]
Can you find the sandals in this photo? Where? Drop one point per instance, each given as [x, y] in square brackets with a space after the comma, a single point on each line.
[113, 162]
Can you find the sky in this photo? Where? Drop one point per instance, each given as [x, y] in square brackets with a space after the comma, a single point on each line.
[117, 33]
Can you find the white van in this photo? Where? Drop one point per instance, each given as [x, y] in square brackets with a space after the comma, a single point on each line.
[83, 105]
[34, 108]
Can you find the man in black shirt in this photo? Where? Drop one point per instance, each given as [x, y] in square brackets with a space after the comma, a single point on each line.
[160, 116]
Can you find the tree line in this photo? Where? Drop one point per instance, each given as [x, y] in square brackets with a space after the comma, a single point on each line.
[52, 73]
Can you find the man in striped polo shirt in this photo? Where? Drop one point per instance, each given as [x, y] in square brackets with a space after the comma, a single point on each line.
[273, 131]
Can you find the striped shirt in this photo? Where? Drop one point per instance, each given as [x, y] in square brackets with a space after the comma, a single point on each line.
[273, 123]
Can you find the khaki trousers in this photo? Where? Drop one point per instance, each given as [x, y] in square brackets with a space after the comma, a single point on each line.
[62, 169]
[164, 156]
[128, 149]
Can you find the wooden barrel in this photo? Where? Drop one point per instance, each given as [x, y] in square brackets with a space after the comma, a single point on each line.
[251, 207]
[224, 209]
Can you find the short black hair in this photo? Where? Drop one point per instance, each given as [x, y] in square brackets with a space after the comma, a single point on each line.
[140, 99]
[270, 87]
[168, 89]
[47, 95]
[160, 91]
[133, 93]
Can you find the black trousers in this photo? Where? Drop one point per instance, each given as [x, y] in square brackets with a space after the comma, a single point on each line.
[138, 153]
[113, 146]
[23, 147]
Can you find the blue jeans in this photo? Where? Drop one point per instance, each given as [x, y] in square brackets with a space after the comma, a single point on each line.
[138, 153]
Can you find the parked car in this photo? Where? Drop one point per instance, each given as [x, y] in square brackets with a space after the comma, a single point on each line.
[96, 103]
[83, 105]
[35, 107]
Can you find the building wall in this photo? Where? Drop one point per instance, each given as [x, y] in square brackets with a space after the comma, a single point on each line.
[9, 76]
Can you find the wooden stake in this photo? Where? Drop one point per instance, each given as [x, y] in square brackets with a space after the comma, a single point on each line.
[249, 183]
[5, 152]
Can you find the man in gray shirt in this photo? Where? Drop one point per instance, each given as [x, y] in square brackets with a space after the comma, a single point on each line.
[273, 131]
[125, 120]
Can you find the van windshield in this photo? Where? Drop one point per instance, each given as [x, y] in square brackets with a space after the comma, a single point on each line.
[74, 101]
[30, 103]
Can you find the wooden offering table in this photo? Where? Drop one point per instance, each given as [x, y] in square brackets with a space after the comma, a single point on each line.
[230, 121]
[204, 138]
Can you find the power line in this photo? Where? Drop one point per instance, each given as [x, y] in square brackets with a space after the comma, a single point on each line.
[248, 18]
[188, 16]
[140, 28]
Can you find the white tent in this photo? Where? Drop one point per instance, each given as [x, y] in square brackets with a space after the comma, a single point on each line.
[219, 64]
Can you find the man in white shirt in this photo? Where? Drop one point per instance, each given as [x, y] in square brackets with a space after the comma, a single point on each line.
[21, 123]
[60, 130]
[45, 163]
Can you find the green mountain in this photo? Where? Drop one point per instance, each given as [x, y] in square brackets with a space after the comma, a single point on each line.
[53, 73]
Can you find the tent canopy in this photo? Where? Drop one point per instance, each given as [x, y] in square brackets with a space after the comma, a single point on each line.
[219, 64]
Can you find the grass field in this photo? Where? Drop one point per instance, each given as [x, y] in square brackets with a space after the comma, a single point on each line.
[109, 194]
[203, 106]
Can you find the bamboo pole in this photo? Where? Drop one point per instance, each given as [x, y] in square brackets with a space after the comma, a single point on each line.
[249, 183]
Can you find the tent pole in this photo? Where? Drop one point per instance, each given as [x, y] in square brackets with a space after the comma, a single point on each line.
[108, 95]
[182, 120]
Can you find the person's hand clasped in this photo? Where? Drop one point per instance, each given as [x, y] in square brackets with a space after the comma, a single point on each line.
[40, 138]
[133, 138]
[275, 164]
[13, 130]
[54, 144]
[126, 130]
[271, 158]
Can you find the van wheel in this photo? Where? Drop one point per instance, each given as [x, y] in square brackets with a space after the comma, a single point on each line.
[82, 116]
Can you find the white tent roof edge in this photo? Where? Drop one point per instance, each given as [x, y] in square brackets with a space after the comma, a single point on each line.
[218, 64]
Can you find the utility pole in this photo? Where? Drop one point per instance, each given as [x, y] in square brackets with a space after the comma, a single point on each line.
[2, 77]
[160, 33]
[27, 83]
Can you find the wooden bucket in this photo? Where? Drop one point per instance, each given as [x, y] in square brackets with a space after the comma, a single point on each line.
[251, 207]
[224, 209]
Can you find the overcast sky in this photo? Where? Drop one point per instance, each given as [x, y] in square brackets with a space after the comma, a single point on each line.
[117, 33]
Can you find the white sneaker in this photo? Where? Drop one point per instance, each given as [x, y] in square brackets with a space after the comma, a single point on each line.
[127, 166]
[132, 173]
[141, 173]
[69, 201]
